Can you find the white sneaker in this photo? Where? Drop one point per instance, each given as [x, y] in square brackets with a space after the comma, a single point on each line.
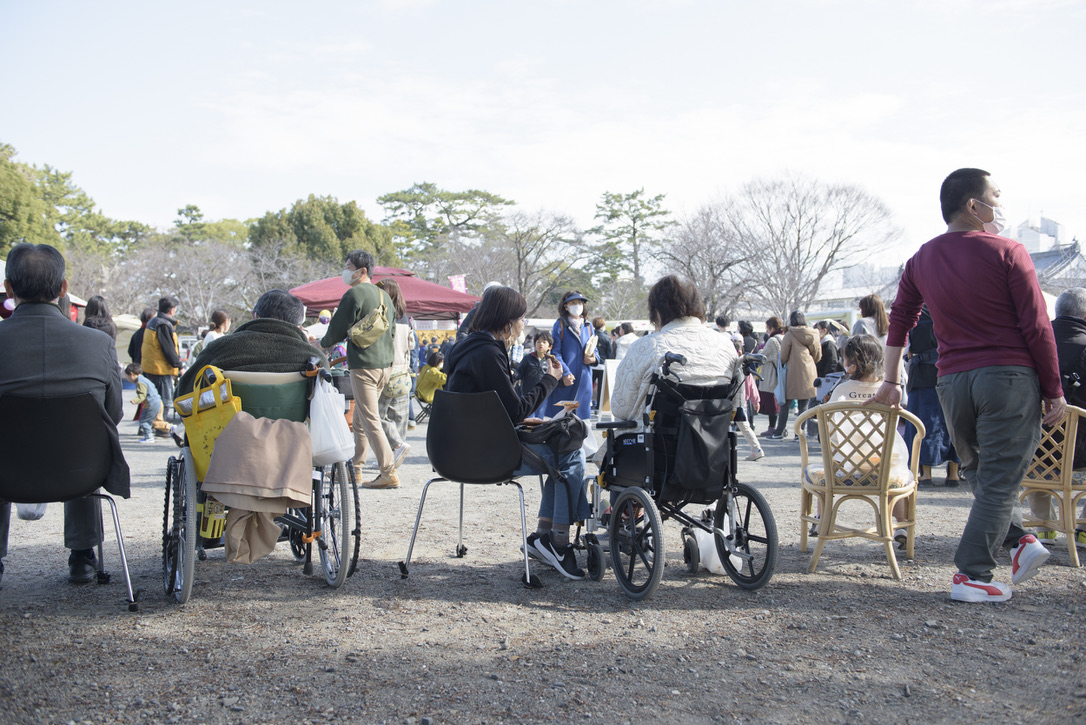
[400, 455]
[1027, 558]
[965, 589]
[756, 455]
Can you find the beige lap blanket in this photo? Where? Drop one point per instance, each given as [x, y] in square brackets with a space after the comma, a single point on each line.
[260, 468]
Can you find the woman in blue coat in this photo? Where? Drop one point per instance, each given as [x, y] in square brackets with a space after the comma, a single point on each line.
[572, 332]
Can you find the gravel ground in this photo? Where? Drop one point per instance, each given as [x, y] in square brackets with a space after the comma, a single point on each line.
[463, 641]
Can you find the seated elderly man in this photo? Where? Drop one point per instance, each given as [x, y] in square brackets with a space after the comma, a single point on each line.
[272, 342]
[678, 313]
[1069, 329]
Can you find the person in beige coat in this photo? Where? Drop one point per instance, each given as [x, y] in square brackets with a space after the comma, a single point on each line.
[800, 350]
[774, 328]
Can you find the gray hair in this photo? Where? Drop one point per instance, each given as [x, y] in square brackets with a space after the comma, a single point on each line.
[279, 304]
[1072, 303]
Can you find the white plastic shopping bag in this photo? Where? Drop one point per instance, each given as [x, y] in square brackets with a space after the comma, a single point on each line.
[332, 439]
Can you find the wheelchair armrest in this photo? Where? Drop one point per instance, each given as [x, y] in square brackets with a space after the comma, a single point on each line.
[611, 424]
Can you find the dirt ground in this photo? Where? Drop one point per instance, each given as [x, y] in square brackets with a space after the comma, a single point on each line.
[462, 641]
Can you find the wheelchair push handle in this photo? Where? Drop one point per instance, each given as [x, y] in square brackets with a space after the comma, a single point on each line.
[751, 362]
[672, 358]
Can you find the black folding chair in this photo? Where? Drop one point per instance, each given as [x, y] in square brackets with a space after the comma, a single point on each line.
[472, 441]
[55, 450]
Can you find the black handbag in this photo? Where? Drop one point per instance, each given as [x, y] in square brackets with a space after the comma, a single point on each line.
[562, 435]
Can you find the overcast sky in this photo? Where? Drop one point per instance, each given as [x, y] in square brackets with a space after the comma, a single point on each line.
[244, 107]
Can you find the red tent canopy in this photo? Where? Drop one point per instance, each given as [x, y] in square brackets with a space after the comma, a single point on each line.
[425, 300]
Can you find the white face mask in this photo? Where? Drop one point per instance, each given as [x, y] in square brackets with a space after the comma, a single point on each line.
[348, 275]
[999, 221]
[575, 310]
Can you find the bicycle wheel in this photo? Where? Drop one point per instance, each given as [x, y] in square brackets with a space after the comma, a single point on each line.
[743, 515]
[179, 530]
[637, 545]
[332, 517]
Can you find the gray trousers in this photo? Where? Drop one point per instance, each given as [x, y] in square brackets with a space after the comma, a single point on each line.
[82, 525]
[993, 415]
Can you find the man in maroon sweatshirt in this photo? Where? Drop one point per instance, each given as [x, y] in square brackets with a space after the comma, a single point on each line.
[998, 371]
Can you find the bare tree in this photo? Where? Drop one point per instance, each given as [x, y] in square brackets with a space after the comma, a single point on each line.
[706, 249]
[798, 230]
[622, 300]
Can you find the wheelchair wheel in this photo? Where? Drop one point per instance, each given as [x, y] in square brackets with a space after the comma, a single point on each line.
[637, 544]
[356, 532]
[691, 553]
[597, 566]
[179, 531]
[754, 533]
[332, 517]
[296, 537]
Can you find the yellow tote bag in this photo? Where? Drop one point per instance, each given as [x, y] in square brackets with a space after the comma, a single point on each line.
[205, 412]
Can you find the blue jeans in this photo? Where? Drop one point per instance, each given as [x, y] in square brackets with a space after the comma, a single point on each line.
[555, 502]
[148, 413]
[993, 415]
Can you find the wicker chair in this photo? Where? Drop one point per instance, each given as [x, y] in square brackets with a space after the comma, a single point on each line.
[1050, 474]
[855, 440]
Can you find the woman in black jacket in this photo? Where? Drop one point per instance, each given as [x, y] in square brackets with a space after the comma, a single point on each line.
[480, 362]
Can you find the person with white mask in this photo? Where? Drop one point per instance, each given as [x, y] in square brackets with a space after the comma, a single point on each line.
[575, 345]
[998, 374]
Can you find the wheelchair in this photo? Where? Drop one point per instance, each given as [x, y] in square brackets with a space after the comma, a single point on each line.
[193, 522]
[685, 455]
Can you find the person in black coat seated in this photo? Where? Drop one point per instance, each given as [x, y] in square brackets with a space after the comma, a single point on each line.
[1069, 329]
[480, 362]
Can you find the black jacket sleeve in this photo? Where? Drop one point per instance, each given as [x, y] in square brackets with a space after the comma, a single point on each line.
[169, 349]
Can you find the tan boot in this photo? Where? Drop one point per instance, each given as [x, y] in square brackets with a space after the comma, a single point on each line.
[385, 480]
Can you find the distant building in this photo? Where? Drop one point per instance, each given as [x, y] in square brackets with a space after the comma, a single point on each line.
[1060, 267]
[1040, 234]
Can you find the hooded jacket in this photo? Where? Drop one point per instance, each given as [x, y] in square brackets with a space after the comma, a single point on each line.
[800, 350]
[479, 362]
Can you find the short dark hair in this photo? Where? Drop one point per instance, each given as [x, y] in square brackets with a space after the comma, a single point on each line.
[133, 369]
[797, 318]
[673, 297]
[958, 188]
[625, 328]
[499, 308]
[545, 337]
[279, 304]
[722, 321]
[745, 328]
[165, 304]
[147, 314]
[35, 271]
[361, 259]
[435, 359]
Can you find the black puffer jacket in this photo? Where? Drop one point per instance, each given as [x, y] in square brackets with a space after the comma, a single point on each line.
[479, 363]
[1070, 334]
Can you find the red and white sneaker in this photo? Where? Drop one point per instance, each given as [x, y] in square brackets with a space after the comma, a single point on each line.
[965, 589]
[1026, 558]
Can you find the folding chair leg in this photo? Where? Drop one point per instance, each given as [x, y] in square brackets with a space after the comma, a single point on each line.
[132, 605]
[414, 532]
[460, 548]
[528, 580]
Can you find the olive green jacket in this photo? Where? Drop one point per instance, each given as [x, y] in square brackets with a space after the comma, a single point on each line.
[356, 304]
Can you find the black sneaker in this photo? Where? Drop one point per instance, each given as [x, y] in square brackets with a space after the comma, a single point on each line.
[533, 550]
[561, 558]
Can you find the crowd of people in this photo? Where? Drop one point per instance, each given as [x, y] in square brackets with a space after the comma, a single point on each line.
[982, 392]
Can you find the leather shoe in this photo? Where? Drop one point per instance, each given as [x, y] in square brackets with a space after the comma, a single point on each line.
[81, 566]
